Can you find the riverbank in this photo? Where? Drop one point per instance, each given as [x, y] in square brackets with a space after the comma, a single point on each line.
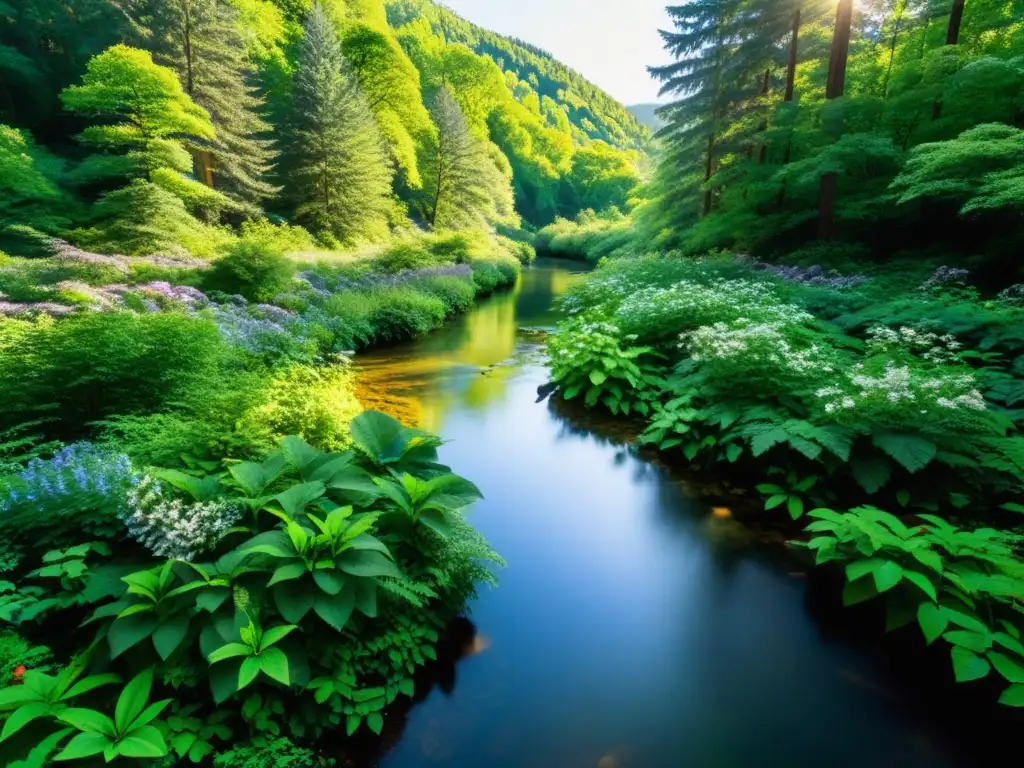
[826, 391]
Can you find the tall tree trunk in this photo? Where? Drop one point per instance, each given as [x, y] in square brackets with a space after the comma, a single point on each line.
[709, 170]
[956, 18]
[834, 89]
[794, 46]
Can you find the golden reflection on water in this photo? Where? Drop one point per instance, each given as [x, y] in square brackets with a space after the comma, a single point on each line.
[468, 363]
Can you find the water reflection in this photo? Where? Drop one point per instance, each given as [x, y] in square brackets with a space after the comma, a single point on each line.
[634, 628]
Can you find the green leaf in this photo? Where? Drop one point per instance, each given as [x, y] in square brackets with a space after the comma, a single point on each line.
[860, 568]
[87, 720]
[22, 716]
[375, 721]
[83, 745]
[775, 501]
[229, 651]
[912, 451]
[1013, 696]
[922, 582]
[733, 452]
[298, 453]
[974, 641]
[294, 599]
[150, 713]
[249, 671]
[275, 664]
[336, 609]
[597, 378]
[436, 522]
[294, 500]
[932, 620]
[795, 505]
[407, 686]
[1007, 667]
[288, 572]
[168, 636]
[330, 581]
[352, 723]
[88, 684]
[871, 472]
[361, 562]
[146, 741]
[963, 620]
[366, 597]
[132, 700]
[967, 665]
[274, 635]
[888, 576]
[212, 598]
[224, 681]
[130, 631]
[770, 490]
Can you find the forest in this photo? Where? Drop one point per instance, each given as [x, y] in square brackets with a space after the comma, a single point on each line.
[248, 246]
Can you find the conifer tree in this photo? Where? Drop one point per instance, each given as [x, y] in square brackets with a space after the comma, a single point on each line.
[464, 185]
[201, 41]
[333, 164]
[833, 90]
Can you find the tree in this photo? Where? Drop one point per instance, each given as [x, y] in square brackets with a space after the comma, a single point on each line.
[333, 165]
[833, 90]
[144, 116]
[22, 179]
[464, 185]
[601, 177]
[202, 42]
[956, 18]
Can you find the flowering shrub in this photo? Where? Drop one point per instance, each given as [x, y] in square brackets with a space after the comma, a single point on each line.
[945, 278]
[173, 528]
[908, 341]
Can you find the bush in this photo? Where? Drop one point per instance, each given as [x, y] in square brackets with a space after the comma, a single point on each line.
[397, 314]
[91, 365]
[252, 268]
[316, 404]
[457, 293]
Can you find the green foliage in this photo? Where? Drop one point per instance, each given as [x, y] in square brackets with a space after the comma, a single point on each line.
[253, 269]
[958, 585]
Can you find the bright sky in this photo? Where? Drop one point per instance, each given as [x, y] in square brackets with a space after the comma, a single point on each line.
[610, 42]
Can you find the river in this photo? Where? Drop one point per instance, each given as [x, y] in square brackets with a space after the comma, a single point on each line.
[633, 628]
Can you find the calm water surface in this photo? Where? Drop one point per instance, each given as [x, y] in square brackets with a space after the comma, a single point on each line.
[631, 629]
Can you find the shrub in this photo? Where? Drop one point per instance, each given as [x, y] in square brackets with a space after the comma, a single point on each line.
[316, 404]
[457, 293]
[252, 268]
[403, 313]
[408, 253]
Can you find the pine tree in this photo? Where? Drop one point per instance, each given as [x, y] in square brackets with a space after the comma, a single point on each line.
[464, 186]
[833, 90]
[201, 41]
[333, 163]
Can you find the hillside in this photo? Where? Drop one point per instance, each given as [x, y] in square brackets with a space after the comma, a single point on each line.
[535, 75]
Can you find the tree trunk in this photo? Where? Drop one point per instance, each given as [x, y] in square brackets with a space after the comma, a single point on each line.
[834, 89]
[892, 50]
[708, 172]
[794, 46]
[956, 18]
[202, 166]
[840, 51]
[762, 153]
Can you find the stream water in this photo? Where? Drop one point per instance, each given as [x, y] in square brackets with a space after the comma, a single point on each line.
[633, 628]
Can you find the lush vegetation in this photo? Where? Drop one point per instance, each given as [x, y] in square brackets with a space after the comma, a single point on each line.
[817, 296]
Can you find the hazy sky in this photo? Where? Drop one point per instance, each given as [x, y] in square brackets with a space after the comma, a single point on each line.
[610, 42]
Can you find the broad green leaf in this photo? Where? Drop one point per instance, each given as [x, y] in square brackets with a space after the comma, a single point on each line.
[229, 651]
[366, 597]
[294, 599]
[974, 641]
[1010, 642]
[362, 562]
[375, 722]
[87, 720]
[146, 741]
[336, 609]
[352, 723]
[83, 745]
[132, 700]
[858, 591]
[436, 522]
[861, 568]
[775, 501]
[932, 620]
[795, 505]
[1013, 696]
[407, 686]
[22, 716]
[169, 634]
[1007, 667]
[150, 713]
[88, 684]
[129, 631]
[224, 680]
[295, 499]
[922, 582]
[888, 576]
[963, 620]
[871, 472]
[249, 671]
[297, 452]
[212, 598]
[967, 665]
[274, 635]
[598, 377]
[274, 664]
[912, 451]
[330, 581]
